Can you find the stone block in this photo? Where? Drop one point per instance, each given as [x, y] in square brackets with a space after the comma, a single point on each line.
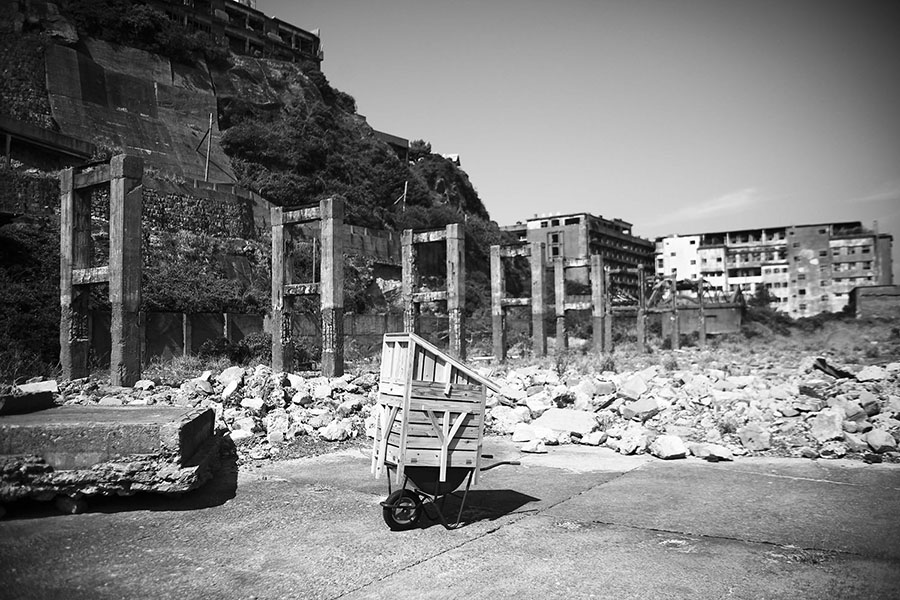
[568, 420]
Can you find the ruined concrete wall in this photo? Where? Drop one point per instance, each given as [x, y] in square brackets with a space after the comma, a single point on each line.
[132, 101]
[719, 320]
[23, 91]
[22, 193]
[882, 302]
[172, 207]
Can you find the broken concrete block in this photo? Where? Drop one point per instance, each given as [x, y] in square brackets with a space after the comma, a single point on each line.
[337, 431]
[633, 387]
[711, 451]
[505, 418]
[568, 420]
[754, 437]
[828, 425]
[254, 404]
[881, 441]
[640, 410]
[872, 373]
[535, 447]
[833, 449]
[39, 386]
[594, 438]
[668, 447]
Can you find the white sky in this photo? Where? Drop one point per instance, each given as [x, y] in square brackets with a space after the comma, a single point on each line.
[679, 116]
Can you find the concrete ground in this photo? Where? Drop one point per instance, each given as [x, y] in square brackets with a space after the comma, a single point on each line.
[575, 523]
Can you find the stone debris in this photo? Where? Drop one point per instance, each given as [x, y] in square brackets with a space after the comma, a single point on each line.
[709, 409]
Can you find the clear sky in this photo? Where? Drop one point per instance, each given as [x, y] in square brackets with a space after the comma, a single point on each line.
[680, 116]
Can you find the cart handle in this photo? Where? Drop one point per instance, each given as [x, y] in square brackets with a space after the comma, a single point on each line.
[502, 462]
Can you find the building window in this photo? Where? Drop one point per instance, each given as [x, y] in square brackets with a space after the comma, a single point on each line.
[835, 251]
[802, 307]
[671, 254]
[554, 238]
[801, 276]
[802, 291]
[544, 224]
[554, 251]
[796, 244]
[823, 252]
[693, 262]
[554, 223]
[866, 249]
[851, 250]
[659, 263]
[823, 231]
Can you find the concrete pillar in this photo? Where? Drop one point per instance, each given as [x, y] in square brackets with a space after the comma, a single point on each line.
[187, 335]
[559, 286]
[282, 333]
[641, 325]
[75, 252]
[125, 264]
[676, 335]
[538, 302]
[607, 310]
[498, 292]
[701, 315]
[598, 305]
[456, 289]
[410, 282]
[332, 286]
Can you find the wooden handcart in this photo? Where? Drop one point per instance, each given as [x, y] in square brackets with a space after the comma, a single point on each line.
[430, 428]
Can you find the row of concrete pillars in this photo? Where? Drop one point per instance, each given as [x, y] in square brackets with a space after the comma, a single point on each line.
[600, 303]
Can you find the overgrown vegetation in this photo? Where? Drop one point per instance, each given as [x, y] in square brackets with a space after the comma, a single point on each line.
[138, 25]
[29, 300]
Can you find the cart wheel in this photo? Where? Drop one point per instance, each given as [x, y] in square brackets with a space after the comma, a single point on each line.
[402, 510]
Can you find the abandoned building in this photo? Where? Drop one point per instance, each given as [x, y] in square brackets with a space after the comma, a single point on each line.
[246, 30]
[580, 235]
[807, 269]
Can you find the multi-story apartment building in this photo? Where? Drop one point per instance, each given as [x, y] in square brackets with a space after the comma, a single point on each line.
[580, 235]
[246, 30]
[807, 269]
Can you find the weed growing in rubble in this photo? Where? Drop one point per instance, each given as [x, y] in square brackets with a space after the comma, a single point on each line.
[177, 370]
[670, 363]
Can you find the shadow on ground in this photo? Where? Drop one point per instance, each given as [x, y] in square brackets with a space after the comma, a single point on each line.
[480, 505]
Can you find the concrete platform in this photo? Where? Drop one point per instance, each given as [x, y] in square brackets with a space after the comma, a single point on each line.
[78, 437]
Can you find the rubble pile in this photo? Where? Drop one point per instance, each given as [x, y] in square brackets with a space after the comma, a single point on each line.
[711, 412]
[812, 411]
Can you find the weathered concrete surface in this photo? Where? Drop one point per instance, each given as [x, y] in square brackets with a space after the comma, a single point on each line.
[78, 451]
[72, 437]
[556, 526]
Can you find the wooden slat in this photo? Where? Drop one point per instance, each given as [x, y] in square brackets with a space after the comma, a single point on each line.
[418, 417]
[432, 443]
[459, 392]
[468, 430]
[391, 388]
[432, 458]
[417, 404]
[390, 400]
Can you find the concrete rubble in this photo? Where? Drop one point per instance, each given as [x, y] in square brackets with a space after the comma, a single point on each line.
[710, 411]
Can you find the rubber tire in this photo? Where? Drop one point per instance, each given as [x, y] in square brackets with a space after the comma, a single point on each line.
[406, 515]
